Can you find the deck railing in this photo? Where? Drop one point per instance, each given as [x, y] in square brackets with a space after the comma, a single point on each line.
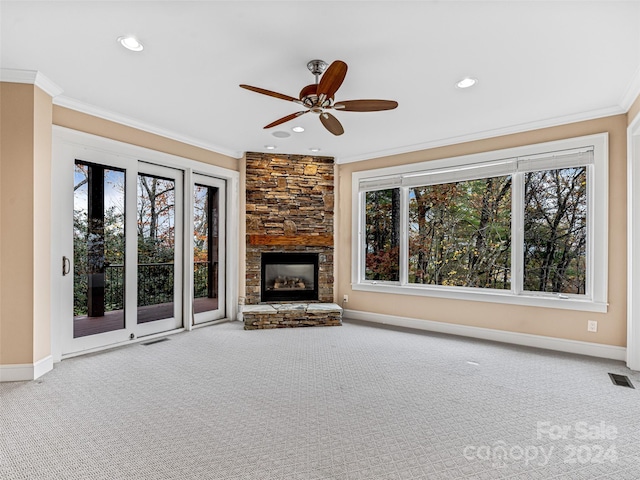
[200, 279]
[155, 285]
[113, 287]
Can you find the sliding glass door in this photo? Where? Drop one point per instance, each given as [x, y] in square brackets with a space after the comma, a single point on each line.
[140, 248]
[208, 228]
[124, 278]
[98, 249]
[159, 220]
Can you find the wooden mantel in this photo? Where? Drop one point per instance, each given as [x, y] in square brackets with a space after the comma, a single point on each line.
[321, 240]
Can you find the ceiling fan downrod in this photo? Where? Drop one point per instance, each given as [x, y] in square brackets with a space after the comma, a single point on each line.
[317, 68]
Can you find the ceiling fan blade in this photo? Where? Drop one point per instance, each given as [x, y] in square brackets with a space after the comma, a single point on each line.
[271, 94]
[365, 105]
[286, 119]
[331, 123]
[331, 80]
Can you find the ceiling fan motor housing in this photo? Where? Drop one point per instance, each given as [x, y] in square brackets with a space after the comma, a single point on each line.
[309, 97]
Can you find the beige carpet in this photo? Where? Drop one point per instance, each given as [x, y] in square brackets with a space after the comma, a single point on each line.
[350, 402]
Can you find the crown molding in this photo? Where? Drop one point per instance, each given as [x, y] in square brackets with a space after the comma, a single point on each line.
[67, 102]
[482, 135]
[31, 77]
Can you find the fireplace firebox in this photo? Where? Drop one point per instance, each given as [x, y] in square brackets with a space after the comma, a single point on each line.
[289, 277]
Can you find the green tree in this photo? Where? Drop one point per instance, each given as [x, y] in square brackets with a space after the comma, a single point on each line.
[460, 233]
[382, 235]
[555, 230]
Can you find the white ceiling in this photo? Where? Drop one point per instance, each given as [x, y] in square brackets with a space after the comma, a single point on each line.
[538, 63]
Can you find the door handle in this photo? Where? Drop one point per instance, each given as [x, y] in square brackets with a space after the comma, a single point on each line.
[66, 266]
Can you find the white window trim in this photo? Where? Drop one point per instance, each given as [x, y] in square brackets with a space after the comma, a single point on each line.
[596, 297]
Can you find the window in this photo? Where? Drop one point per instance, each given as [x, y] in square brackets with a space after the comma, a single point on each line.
[383, 235]
[555, 230]
[460, 233]
[525, 225]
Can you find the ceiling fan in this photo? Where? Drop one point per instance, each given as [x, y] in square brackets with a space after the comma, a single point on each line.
[318, 97]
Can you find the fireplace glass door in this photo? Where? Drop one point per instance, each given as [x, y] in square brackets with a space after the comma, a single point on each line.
[289, 277]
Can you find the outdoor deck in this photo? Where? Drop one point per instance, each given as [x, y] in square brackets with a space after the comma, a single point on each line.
[114, 320]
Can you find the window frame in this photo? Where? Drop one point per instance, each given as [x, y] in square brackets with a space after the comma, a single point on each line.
[534, 157]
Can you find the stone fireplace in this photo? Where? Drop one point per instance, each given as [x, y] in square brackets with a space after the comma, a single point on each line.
[289, 226]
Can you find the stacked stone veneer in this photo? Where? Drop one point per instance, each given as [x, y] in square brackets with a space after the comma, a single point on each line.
[289, 208]
[275, 315]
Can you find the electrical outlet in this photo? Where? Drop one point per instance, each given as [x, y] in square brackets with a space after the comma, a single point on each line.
[592, 326]
[345, 298]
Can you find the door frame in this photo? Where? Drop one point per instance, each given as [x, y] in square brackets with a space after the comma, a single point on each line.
[633, 244]
[72, 142]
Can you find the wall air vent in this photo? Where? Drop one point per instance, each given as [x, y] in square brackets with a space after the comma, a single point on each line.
[164, 339]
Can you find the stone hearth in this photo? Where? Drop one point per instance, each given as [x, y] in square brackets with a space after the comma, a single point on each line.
[289, 208]
[281, 315]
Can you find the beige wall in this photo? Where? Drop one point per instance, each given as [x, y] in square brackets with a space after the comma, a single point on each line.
[42, 225]
[565, 324]
[25, 217]
[83, 122]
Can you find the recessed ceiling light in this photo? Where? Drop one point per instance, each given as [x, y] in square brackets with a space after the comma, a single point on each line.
[130, 43]
[270, 147]
[281, 134]
[467, 82]
[314, 149]
[298, 129]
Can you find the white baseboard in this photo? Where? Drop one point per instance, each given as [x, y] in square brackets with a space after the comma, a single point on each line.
[537, 341]
[26, 371]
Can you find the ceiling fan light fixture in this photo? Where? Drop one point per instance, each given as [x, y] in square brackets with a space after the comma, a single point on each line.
[467, 82]
[131, 43]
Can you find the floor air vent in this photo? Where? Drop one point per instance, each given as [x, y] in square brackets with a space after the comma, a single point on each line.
[155, 341]
[621, 380]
